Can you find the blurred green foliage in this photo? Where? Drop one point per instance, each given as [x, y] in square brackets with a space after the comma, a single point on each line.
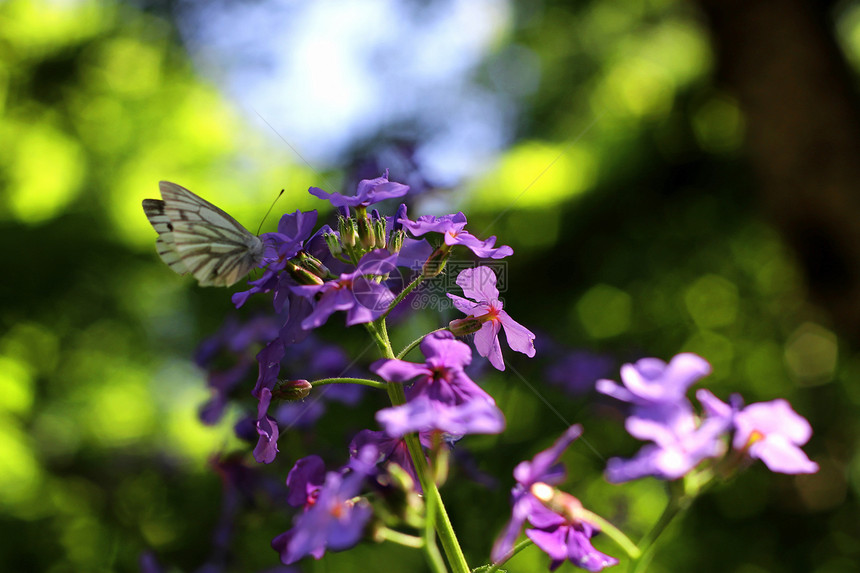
[626, 198]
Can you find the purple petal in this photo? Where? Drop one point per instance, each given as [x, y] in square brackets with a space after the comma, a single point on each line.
[780, 455]
[528, 473]
[335, 198]
[552, 542]
[298, 225]
[465, 306]
[613, 390]
[479, 284]
[413, 253]
[518, 336]
[267, 429]
[505, 542]
[484, 249]
[775, 431]
[398, 370]
[331, 301]
[774, 417]
[379, 189]
[269, 361]
[430, 224]
[306, 477]
[424, 414]
[372, 299]
[643, 464]
[581, 553]
[663, 422]
[713, 406]
[442, 350]
[652, 380]
[487, 344]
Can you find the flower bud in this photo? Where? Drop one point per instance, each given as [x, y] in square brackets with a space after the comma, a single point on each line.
[366, 236]
[395, 242]
[292, 389]
[464, 326]
[436, 262]
[400, 214]
[557, 501]
[348, 231]
[302, 275]
[380, 231]
[333, 243]
[313, 264]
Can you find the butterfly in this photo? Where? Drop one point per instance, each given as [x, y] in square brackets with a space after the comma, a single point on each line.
[196, 236]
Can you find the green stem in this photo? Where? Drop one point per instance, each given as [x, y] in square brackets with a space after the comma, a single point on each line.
[611, 532]
[409, 288]
[430, 547]
[386, 534]
[441, 521]
[416, 342]
[362, 381]
[646, 545]
[517, 548]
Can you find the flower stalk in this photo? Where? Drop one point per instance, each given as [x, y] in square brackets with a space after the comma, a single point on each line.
[439, 517]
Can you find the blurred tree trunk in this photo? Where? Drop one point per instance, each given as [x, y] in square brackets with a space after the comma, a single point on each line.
[780, 58]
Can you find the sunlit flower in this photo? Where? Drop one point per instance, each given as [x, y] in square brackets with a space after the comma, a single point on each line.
[442, 397]
[453, 230]
[363, 299]
[662, 414]
[479, 284]
[544, 468]
[769, 431]
[332, 519]
[369, 191]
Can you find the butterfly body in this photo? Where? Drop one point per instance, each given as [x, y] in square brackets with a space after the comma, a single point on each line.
[195, 236]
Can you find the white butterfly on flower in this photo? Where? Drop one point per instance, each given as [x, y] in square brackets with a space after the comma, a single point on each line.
[196, 236]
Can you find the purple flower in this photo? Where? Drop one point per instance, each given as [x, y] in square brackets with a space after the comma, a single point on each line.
[293, 230]
[557, 535]
[269, 366]
[363, 299]
[390, 450]
[332, 519]
[267, 429]
[769, 431]
[453, 227]
[479, 284]
[443, 397]
[237, 340]
[305, 481]
[564, 541]
[680, 443]
[662, 414]
[293, 238]
[652, 382]
[542, 469]
[476, 416]
[369, 191]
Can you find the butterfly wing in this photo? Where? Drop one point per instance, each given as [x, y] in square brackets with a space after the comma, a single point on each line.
[196, 236]
[164, 244]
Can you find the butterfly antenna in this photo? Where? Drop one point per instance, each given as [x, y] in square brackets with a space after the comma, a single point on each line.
[269, 211]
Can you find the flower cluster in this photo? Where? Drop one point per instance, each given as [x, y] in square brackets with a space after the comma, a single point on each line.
[662, 414]
[364, 265]
[562, 537]
[331, 518]
[442, 398]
